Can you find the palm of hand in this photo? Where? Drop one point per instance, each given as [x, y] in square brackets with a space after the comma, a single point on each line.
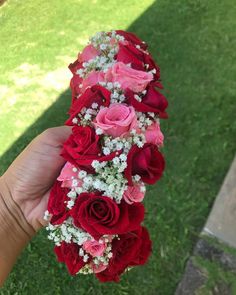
[34, 171]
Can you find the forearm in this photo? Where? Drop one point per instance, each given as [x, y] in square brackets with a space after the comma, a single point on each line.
[15, 232]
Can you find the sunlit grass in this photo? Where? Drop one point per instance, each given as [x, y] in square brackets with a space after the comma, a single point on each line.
[194, 43]
[38, 41]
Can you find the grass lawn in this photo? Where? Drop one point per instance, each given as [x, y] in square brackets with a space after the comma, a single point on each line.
[194, 43]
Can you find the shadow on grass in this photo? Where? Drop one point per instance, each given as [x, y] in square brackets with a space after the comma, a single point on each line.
[53, 116]
[188, 49]
[199, 145]
[56, 114]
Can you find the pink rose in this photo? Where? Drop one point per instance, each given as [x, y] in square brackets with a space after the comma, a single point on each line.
[88, 53]
[134, 194]
[154, 135]
[116, 120]
[128, 78]
[93, 78]
[98, 268]
[69, 174]
[94, 248]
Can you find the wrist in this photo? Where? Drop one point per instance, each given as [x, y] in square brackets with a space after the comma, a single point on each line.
[15, 232]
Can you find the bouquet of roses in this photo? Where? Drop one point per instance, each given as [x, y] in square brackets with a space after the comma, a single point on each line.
[95, 208]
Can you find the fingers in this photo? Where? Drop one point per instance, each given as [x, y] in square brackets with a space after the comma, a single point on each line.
[56, 136]
[35, 215]
[61, 133]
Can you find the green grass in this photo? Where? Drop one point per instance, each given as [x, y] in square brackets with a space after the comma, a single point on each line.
[194, 43]
[215, 262]
[216, 276]
[38, 41]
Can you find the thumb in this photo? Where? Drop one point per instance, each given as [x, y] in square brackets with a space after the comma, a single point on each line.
[56, 136]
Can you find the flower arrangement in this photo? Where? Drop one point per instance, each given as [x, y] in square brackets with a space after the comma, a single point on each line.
[95, 207]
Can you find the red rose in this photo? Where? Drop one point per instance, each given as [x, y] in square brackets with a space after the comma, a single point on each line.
[147, 162]
[75, 81]
[100, 215]
[69, 254]
[75, 66]
[131, 37]
[129, 54]
[148, 60]
[95, 94]
[139, 60]
[56, 203]
[82, 147]
[144, 250]
[131, 249]
[152, 101]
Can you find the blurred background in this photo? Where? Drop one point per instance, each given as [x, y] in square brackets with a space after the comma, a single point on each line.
[193, 41]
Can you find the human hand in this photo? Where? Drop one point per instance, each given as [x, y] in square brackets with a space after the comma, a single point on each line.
[30, 177]
[24, 192]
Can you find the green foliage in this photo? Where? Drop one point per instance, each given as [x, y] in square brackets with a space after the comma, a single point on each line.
[217, 277]
[194, 43]
[219, 244]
